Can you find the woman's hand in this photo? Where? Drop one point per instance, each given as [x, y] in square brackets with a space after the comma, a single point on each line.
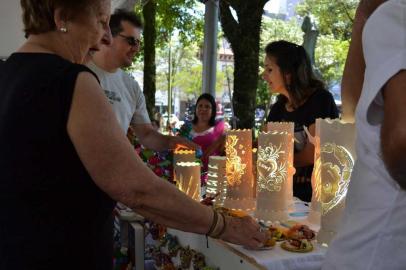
[216, 145]
[243, 231]
[176, 142]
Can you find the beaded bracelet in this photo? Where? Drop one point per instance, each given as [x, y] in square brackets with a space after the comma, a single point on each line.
[217, 233]
[214, 223]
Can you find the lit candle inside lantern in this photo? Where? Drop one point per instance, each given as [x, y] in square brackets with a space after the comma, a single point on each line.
[333, 173]
[274, 175]
[217, 181]
[187, 177]
[239, 170]
[184, 156]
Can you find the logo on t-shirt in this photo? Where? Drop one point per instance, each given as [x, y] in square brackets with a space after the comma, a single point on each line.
[112, 96]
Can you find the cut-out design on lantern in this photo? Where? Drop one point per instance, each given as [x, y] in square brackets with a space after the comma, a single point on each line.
[217, 180]
[270, 174]
[183, 156]
[234, 165]
[187, 177]
[239, 170]
[289, 128]
[334, 162]
[275, 174]
[335, 186]
[216, 188]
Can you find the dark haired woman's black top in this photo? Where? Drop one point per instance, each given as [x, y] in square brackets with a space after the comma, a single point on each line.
[319, 105]
[53, 216]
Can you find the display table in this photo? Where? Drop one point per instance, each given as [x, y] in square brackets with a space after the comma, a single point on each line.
[229, 256]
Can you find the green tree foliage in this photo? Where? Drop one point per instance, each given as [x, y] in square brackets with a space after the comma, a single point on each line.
[332, 17]
[181, 16]
[162, 19]
[334, 20]
[330, 58]
[186, 70]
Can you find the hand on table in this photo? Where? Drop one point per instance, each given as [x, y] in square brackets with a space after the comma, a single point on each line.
[244, 231]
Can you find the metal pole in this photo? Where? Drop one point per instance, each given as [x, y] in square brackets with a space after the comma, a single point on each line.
[210, 46]
[169, 84]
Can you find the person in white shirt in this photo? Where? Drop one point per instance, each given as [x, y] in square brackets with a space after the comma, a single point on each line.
[372, 235]
[122, 90]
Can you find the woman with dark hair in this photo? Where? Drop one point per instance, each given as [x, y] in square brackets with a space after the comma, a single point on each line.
[301, 99]
[205, 131]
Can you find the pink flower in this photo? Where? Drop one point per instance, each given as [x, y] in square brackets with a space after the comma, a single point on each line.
[159, 171]
[153, 160]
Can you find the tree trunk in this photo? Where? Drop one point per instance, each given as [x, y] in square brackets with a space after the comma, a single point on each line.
[149, 12]
[244, 39]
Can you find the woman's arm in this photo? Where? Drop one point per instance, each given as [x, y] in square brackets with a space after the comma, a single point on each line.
[353, 76]
[306, 156]
[117, 170]
[219, 143]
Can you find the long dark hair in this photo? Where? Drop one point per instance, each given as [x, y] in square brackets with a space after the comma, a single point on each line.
[293, 60]
[210, 99]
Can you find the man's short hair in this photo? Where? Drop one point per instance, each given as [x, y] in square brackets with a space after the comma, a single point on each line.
[121, 15]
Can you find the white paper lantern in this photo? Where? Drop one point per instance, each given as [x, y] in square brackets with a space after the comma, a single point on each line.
[336, 156]
[217, 180]
[274, 175]
[187, 177]
[183, 156]
[239, 170]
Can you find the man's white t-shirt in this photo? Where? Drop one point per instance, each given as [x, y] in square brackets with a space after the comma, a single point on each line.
[373, 232]
[125, 96]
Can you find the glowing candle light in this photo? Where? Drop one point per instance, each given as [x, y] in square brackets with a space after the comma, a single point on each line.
[183, 156]
[239, 170]
[187, 177]
[217, 180]
[336, 156]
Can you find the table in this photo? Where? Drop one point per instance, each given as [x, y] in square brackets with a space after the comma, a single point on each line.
[229, 256]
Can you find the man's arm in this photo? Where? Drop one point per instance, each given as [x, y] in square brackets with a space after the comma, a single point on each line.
[393, 131]
[154, 140]
[353, 77]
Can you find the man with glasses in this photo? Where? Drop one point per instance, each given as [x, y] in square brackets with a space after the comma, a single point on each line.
[121, 89]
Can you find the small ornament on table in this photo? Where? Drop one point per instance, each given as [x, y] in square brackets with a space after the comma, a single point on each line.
[173, 246]
[157, 231]
[164, 240]
[162, 259]
[169, 266]
[198, 261]
[186, 255]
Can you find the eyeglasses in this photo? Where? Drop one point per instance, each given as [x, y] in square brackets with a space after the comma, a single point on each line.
[131, 40]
